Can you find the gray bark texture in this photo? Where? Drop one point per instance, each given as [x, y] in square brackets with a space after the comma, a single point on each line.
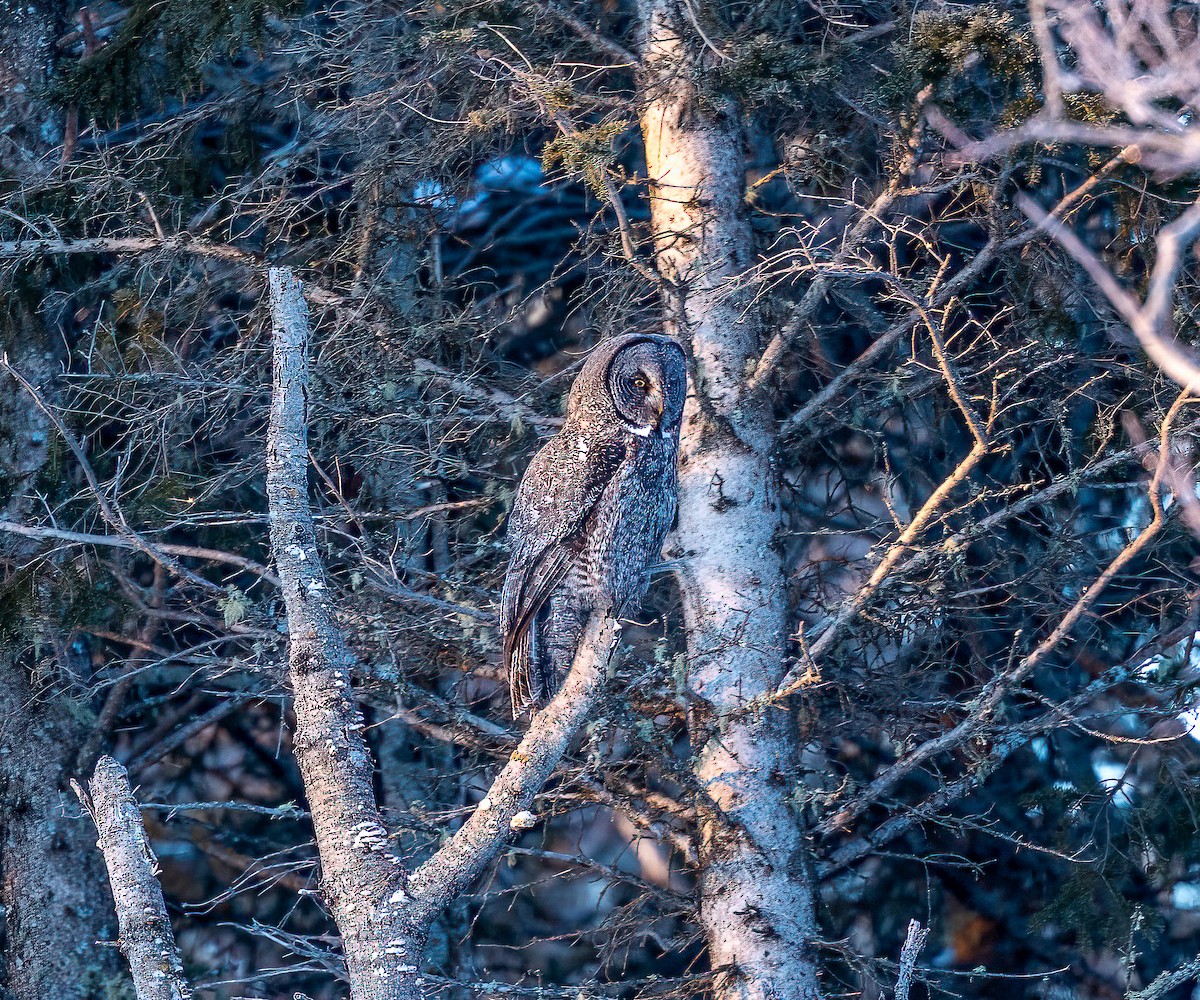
[146, 939]
[383, 912]
[914, 941]
[55, 901]
[28, 30]
[56, 906]
[756, 897]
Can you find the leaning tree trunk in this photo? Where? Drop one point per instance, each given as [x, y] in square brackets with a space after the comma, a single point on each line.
[756, 898]
[384, 913]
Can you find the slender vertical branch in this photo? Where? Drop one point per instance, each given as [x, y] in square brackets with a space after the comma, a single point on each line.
[1052, 81]
[914, 941]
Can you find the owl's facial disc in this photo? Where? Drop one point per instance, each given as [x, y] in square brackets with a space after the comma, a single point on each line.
[636, 385]
[647, 383]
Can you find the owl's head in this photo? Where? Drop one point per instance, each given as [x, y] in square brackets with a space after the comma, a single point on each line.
[640, 378]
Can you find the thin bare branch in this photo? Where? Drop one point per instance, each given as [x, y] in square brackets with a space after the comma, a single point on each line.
[589, 34]
[986, 703]
[1151, 321]
[126, 542]
[185, 243]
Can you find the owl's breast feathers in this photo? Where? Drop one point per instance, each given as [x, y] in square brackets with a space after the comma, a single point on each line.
[604, 500]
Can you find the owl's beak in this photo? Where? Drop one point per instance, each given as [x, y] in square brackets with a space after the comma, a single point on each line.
[654, 400]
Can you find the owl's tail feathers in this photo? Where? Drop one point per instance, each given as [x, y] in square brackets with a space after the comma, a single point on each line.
[516, 661]
[528, 685]
[530, 674]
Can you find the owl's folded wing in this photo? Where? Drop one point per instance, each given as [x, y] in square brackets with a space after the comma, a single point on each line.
[545, 528]
[523, 598]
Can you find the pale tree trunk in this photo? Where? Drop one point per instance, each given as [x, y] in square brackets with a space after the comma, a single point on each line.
[757, 905]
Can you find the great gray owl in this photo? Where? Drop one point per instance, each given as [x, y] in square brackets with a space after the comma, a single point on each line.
[592, 509]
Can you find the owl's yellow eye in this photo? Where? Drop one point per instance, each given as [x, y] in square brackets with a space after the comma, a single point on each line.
[640, 383]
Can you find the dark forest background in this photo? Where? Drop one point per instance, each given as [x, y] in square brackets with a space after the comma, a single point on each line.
[462, 186]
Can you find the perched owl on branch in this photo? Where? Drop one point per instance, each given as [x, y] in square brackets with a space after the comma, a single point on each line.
[592, 509]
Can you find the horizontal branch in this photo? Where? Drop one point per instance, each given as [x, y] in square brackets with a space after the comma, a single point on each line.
[1171, 154]
[507, 407]
[123, 542]
[33, 249]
